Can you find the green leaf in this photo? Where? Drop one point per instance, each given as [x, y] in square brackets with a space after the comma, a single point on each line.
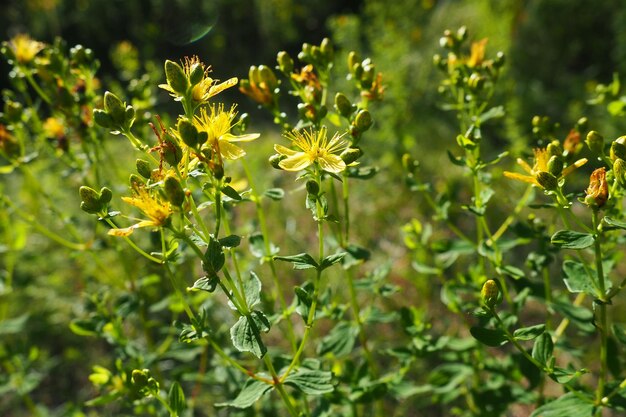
[542, 349]
[511, 271]
[568, 405]
[361, 172]
[568, 239]
[615, 224]
[246, 333]
[529, 333]
[563, 376]
[257, 246]
[176, 399]
[577, 279]
[311, 382]
[275, 193]
[299, 261]
[340, 340]
[77, 326]
[214, 258]
[13, 326]
[207, 284]
[489, 337]
[252, 290]
[331, 260]
[231, 241]
[304, 302]
[619, 332]
[231, 192]
[356, 255]
[582, 317]
[492, 113]
[459, 161]
[250, 393]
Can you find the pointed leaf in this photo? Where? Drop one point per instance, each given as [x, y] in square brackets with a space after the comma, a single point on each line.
[299, 261]
[304, 302]
[615, 224]
[275, 193]
[569, 405]
[231, 192]
[331, 259]
[542, 349]
[176, 399]
[231, 241]
[207, 284]
[250, 393]
[577, 279]
[340, 340]
[489, 337]
[529, 333]
[568, 239]
[246, 333]
[311, 382]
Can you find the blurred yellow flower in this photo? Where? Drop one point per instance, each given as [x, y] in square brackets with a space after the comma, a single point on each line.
[313, 147]
[24, 48]
[218, 123]
[157, 211]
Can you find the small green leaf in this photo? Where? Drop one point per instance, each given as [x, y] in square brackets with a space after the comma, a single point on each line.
[355, 256]
[489, 337]
[614, 224]
[568, 405]
[361, 172]
[77, 326]
[252, 290]
[246, 333]
[511, 271]
[250, 393]
[568, 239]
[299, 261]
[231, 192]
[492, 113]
[304, 302]
[176, 399]
[577, 279]
[339, 341]
[459, 161]
[207, 284]
[311, 382]
[529, 333]
[231, 241]
[331, 259]
[213, 258]
[275, 193]
[542, 349]
[257, 246]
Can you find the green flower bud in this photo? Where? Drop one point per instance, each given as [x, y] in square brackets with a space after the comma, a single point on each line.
[554, 148]
[555, 165]
[13, 110]
[275, 160]
[140, 378]
[619, 171]
[409, 164]
[176, 77]
[172, 152]
[327, 49]
[254, 76]
[105, 196]
[90, 200]
[285, 63]
[174, 191]
[363, 120]
[351, 154]
[312, 187]
[267, 75]
[114, 106]
[353, 59]
[595, 142]
[102, 118]
[500, 60]
[143, 168]
[490, 293]
[316, 53]
[196, 73]
[343, 105]
[547, 180]
[218, 171]
[129, 115]
[618, 148]
[461, 33]
[188, 132]
[582, 124]
[136, 181]
[475, 82]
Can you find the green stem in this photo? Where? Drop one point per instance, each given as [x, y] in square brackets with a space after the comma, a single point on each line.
[278, 384]
[134, 245]
[602, 310]
[218, 207]
[36, 87]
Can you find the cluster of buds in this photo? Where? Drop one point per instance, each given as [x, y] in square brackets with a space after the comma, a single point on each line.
[364, 74]
[360, 119]
[144, 382]
[261, 86]
[116, 114]
[95, 202]
[471, 71]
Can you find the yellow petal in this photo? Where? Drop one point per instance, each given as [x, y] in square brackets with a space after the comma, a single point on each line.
[332, 163]
[127, 231]
[230, 151]
[572, 167]
[296, 162]
[520, 177]
[216, 89]
[282, 150]
[241, 138]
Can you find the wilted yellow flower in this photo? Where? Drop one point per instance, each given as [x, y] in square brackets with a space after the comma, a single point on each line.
[477, 54]
[218, 123]
[598, 190]
[313, 147]
[158, 211]
[540, 168]
[24, 48]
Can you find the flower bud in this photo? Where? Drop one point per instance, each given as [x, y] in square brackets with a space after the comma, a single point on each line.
[618, 148]
[217, 170]
[176, 77]
[343, 105]
[555, 165]
[174, 191]
[500, 60]
[619, 171]
[90, 200]
[475, 82]
[129, 115]
[275, 160]
[267, 76]
[490, 293]
[285, 62]
[140, 378]
[582, 124]
[172, 152]
[595, 142]
[143, 168]
[350, 155]
[312, 187]
[598, 190]
[547, 180]
[554, 148]
[115, 108]
[363, 120]
[188, 132]
[254, 76]
[105, 196]
[102, 118]
[13, 110]
[326, 47]
[353, 59]
[136, 182]
[196, 73]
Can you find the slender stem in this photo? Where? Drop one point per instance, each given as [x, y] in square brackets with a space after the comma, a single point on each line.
[134, 245]
[278, 384]
[602, 310]
[518, 208]
[346, 208]
[35, 86]
[218, 206]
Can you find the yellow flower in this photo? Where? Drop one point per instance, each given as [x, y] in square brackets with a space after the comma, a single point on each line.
[157, 211]
[313, 147]
[53, 128]
[477, 54]
[24, 48]
[217, 124]
[540, 168]
[598, 190]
